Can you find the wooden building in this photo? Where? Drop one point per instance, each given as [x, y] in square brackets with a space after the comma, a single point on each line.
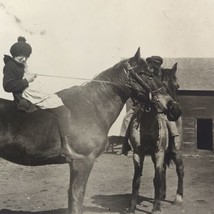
[196, 96]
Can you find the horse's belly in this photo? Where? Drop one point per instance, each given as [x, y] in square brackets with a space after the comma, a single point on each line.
[22, 156]
[29, 150]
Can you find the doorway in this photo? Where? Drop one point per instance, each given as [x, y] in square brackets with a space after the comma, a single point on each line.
[204, 134]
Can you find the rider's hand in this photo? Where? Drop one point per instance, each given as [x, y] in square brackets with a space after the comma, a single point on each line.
[30, 77]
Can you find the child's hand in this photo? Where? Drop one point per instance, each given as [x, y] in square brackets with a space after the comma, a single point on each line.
[30, 77]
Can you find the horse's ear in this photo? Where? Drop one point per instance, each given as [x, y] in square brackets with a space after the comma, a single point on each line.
[174, 68]
[137, 55]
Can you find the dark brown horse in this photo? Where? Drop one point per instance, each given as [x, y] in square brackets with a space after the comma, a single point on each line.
[33, 138]
[149, 136]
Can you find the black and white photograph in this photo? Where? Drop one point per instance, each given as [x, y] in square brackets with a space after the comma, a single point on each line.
[106, 107]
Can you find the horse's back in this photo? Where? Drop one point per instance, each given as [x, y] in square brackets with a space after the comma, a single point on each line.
[27, 137]
[6, 105]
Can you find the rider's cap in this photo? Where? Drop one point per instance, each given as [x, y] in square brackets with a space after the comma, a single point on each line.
[156, 60]
[21, 48]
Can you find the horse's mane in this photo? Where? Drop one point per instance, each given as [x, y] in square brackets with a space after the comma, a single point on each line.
[110, 72]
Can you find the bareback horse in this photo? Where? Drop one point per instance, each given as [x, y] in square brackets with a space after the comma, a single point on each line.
[33, 139]
[148, 134]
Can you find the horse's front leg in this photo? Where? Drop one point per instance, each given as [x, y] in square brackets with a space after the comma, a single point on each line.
[163, 183]
[159, 180]
[138, 168]
[79, 173]
[178, 160]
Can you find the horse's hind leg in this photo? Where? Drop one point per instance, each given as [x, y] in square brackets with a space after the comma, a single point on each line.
[159, 180]
[79, 173]
[178, 160]
[138, 168]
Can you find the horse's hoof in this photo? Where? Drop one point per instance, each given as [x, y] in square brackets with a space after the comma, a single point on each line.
[178, 200]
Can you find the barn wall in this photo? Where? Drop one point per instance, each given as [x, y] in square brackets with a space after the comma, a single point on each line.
[194, 107]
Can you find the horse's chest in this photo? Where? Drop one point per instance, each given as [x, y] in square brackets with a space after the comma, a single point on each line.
[149, 130]
[149, 136]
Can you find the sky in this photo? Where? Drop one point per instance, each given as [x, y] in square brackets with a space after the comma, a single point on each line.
[82, 38]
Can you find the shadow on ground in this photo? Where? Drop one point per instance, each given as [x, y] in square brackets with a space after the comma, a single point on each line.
[57, 211]
[118, 203]
[102, 204]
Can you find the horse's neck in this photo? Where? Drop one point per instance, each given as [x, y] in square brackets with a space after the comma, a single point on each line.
[93, 102]
[108, 104]
[111, 95]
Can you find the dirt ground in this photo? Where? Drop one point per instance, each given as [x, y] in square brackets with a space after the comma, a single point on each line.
[43, 190]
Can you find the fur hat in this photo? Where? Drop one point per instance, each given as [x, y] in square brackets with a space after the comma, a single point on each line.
[21, 48]
[156, 60]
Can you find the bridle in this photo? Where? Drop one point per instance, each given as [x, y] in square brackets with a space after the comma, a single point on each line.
[132, 76]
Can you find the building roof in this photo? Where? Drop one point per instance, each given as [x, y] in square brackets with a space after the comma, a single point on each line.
[193, 73]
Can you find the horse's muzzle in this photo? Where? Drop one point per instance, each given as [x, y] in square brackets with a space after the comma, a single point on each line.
[174, 111]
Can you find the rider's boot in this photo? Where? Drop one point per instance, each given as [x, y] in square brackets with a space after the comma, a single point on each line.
[125, 146]
[67, 151]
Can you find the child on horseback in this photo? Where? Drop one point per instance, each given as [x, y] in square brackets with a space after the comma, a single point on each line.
[154, 66]
[29, 96]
